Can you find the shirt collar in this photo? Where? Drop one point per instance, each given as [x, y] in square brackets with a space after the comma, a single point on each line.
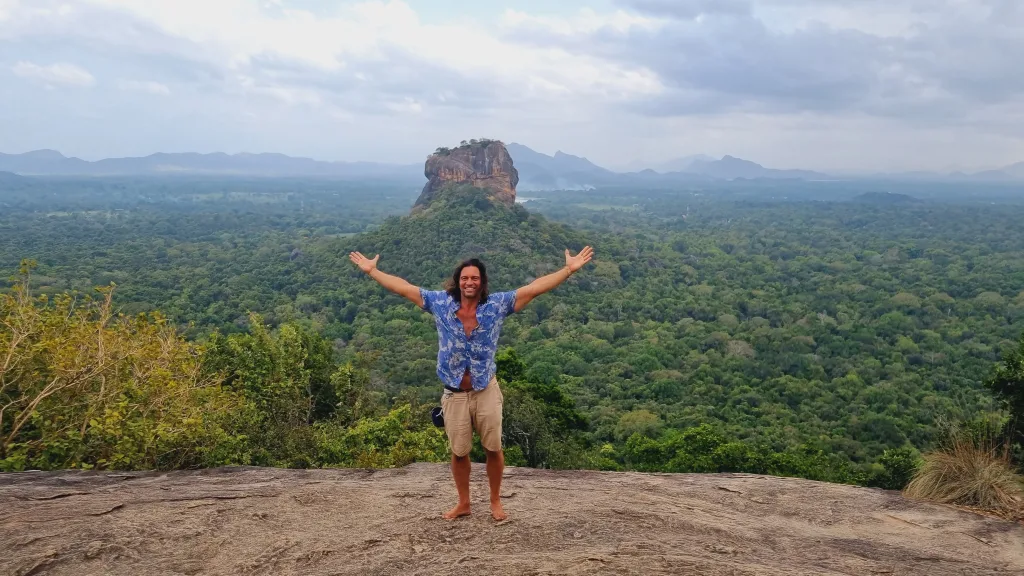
[453, 304]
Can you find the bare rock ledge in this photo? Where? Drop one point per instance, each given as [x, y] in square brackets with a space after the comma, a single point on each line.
[273, 521]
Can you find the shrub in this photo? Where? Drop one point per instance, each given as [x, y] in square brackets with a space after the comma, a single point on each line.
[83, 387]
[644, 454]
[972, 471]
[898, 467]
[389, 441]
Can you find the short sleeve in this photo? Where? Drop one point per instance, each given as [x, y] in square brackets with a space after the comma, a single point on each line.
[431, 299]
[505, 301]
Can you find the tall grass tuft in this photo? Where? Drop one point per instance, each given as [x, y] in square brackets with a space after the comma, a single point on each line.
[971, 469]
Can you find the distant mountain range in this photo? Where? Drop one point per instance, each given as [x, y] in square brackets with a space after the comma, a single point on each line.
[1009, 174]
[886, 198]
[537, 171]
[565, 171]
[730, 168]
[1013, 171]
[51, 162]
[559, 172]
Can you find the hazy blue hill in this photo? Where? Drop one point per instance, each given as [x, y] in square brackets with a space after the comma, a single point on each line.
[561, 171]
[885, 198]
[559, 164]
[730, 168]
[51, 162]
[1015, 170]
[42, 162]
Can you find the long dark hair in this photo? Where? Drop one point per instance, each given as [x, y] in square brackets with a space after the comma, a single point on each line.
[453, 284]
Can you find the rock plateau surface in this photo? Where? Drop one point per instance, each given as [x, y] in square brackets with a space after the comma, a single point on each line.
[264, 521]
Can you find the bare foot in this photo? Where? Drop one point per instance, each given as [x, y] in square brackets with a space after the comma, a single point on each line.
[497, 512]
[458, 511]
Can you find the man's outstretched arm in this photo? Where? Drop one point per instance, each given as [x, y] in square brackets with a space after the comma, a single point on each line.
[392, 283]
[545, 283]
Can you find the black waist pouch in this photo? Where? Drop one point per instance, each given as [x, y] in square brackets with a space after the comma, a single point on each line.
[437, 415]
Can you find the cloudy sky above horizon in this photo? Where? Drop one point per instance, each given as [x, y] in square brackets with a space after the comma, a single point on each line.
[817, 84]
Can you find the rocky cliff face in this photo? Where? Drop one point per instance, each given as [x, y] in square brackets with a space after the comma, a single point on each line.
[485, 164]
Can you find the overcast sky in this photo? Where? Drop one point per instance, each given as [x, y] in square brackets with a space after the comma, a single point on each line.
[817, 84]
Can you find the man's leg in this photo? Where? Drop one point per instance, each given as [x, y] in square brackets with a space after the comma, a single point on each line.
[459, 426]
[495, 468]
[489, 406]
[460, 472]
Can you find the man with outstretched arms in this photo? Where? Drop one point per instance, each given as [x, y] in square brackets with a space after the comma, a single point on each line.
[469, 321]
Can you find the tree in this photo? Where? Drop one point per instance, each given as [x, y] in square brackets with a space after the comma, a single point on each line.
[83, 387]
[540, 421]
[642, 422]
[287, 378]
[351, 389]
[1007, 383]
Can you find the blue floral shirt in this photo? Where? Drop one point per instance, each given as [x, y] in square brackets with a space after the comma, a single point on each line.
[454, 350]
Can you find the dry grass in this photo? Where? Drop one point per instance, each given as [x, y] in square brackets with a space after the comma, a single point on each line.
[971, 472]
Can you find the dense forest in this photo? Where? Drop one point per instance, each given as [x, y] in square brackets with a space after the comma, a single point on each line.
[822, 330]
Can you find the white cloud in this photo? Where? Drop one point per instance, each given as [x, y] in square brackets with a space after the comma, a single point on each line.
[406, 106]
[148, 87]
[729, 76]
[291, 96]
[6, 7]
[60, 73]
[584, 22]
[238, 35]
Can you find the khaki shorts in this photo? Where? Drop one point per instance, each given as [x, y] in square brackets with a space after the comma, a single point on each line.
[473, 410]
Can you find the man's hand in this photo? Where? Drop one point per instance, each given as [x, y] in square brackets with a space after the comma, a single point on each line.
[367, 265]
[392, 283]
[545, 283]
[576, 262]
